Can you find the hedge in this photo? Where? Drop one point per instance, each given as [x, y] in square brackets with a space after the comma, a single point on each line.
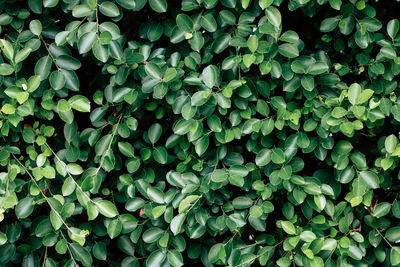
[205, 132]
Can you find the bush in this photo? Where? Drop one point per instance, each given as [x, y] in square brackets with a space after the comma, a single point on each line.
[206, 132]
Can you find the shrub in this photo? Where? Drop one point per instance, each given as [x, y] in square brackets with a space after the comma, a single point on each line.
[231, 132]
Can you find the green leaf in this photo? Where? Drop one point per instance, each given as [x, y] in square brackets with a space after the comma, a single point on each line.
[370, 178]
[393, 234]
[6, 69]
[159, 6]
[248, 60]
[74, 169]
[22, 54]
[156, 258]
[256, 211]
[106, 208]
[8, 109]
[3, 238]
[68, 186]
[109, 9]
[288, 227]
[35, 26]
[371, 24]
[265, 3]
[388, 52]
[329, 24]
[242, 202]
[126, 149]
[154, 132]
[80, 11]
[209, 76]
[318, 68]
[208, 23]
[274, 16]
[391, 143]
[175, 258]
[24, 208]
[155, 195]
[57, 80]
[153, 71]
[169, 74]
[329, 244]
[288, 50]
[103, 144]
[307, 236]
[320, 201]
[216, 252]
[50, 3]
[114, 228]
[335, 4]
[184, 22]
[160, 155]
[395, 256]
[86, 42]
[201, 145]
[55, 220]
[354, 93]
[263, 157]
[339, 112]
[80, 103]
[277, 156]
[100, 251]
[219, 176]
[252, 43]
[221, 43]
[7, 49]
[382, 209]
[177, 222]
[81, 254]
[158, 211]
[68, 63]
[355, 252]
[393, 28]
[43, 67]
[153, 234]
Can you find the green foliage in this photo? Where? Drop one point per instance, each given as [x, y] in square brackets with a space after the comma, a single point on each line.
[206, 132]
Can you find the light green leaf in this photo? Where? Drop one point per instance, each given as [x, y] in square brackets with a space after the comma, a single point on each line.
[109, 9]
[307, 236]
[395, 256]
[153, 70]
[36, 27]
[288, 50]
[22, 54]
[176, 223]
[24, 208]
[393, 28]
[370, 178]
[159, 6]
[154, 132]
[155, 195]
[86, 42]
[74, 169]
[7, 49]
[175, 258]
[274, 16]
[80, 103]
[288, 227]
[391, 143]
[354, 93]
[106, 208]
[209, 76]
